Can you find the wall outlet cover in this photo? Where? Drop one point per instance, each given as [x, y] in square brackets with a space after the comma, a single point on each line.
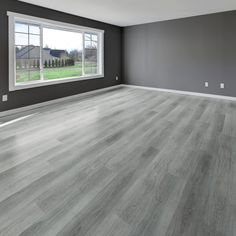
[222, 85]
[206, 84]
[4, 98]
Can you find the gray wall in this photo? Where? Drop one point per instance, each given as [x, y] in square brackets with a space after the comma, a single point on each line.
[113, 41]
[183, 54]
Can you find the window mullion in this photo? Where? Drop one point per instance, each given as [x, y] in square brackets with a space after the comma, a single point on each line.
[83, 55]
[98, 54]
[28, 56]
[41, 54]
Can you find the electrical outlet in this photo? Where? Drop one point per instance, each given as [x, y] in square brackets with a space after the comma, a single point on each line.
[206, 84]
[117, 78]
[222, 85]
[4, 98]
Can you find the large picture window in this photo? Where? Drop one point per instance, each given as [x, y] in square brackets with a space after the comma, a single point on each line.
[43, 52]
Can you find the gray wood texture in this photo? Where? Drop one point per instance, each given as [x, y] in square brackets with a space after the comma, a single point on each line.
[128, 162]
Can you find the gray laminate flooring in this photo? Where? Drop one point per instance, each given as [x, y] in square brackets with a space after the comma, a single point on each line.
[128, 162]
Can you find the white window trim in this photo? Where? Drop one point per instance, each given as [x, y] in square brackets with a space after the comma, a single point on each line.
[13, 17]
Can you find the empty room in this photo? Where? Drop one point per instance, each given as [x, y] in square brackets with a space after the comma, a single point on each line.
[117, 118]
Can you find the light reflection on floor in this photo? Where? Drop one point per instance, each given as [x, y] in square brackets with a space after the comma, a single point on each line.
[15, 120]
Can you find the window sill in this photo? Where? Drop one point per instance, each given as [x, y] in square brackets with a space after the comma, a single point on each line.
[35, 84]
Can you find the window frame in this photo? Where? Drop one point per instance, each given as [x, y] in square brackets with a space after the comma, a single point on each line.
[16, 17]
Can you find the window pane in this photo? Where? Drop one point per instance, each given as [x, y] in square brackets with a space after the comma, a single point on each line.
[34, 52]
[27, 51]
[88, 44]
[62, 54]
[27, 75]
[22, 76]
[90, 68]
[58, 73]
[94, 37]
[22, 64]
[27, 64]
[21, 39]
[27, 70]
[34, 75]
[22, 52]
[34, 29]
[88, 37]
[91, 54]
[34, 40]
[94, 44]
[91, 61]
[21, 28]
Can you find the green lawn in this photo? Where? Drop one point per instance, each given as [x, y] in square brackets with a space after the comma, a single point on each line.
[55, 73]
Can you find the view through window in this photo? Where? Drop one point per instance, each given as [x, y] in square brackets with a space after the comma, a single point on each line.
[62, 54]
[47, 53]
[27, 46]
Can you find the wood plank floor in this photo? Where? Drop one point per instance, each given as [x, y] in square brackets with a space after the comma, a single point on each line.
[128, 162]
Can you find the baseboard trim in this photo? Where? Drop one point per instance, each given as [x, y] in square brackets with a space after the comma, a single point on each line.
[59, 100]
[97, 91]
[182, 92]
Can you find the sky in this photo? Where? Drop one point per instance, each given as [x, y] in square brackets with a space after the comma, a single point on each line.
[57, 39]
[54, 39]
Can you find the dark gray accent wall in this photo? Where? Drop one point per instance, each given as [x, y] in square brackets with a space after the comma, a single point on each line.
[113, 37]
[183, 54]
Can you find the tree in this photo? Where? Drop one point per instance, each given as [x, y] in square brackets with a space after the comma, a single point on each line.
[53, 63]
[70, 62]
[38, 63]
[49, 63]
[56, 63]
[62, 63]
[75, 55]
[46, 64]
[17, 49]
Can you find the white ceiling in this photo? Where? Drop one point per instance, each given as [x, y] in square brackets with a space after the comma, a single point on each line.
[132, 12]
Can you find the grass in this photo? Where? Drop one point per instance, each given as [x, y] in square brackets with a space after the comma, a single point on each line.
[55, 73]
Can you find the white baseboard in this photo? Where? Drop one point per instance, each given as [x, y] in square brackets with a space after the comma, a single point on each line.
[81, 95]
[182, 92]
[59, 100]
